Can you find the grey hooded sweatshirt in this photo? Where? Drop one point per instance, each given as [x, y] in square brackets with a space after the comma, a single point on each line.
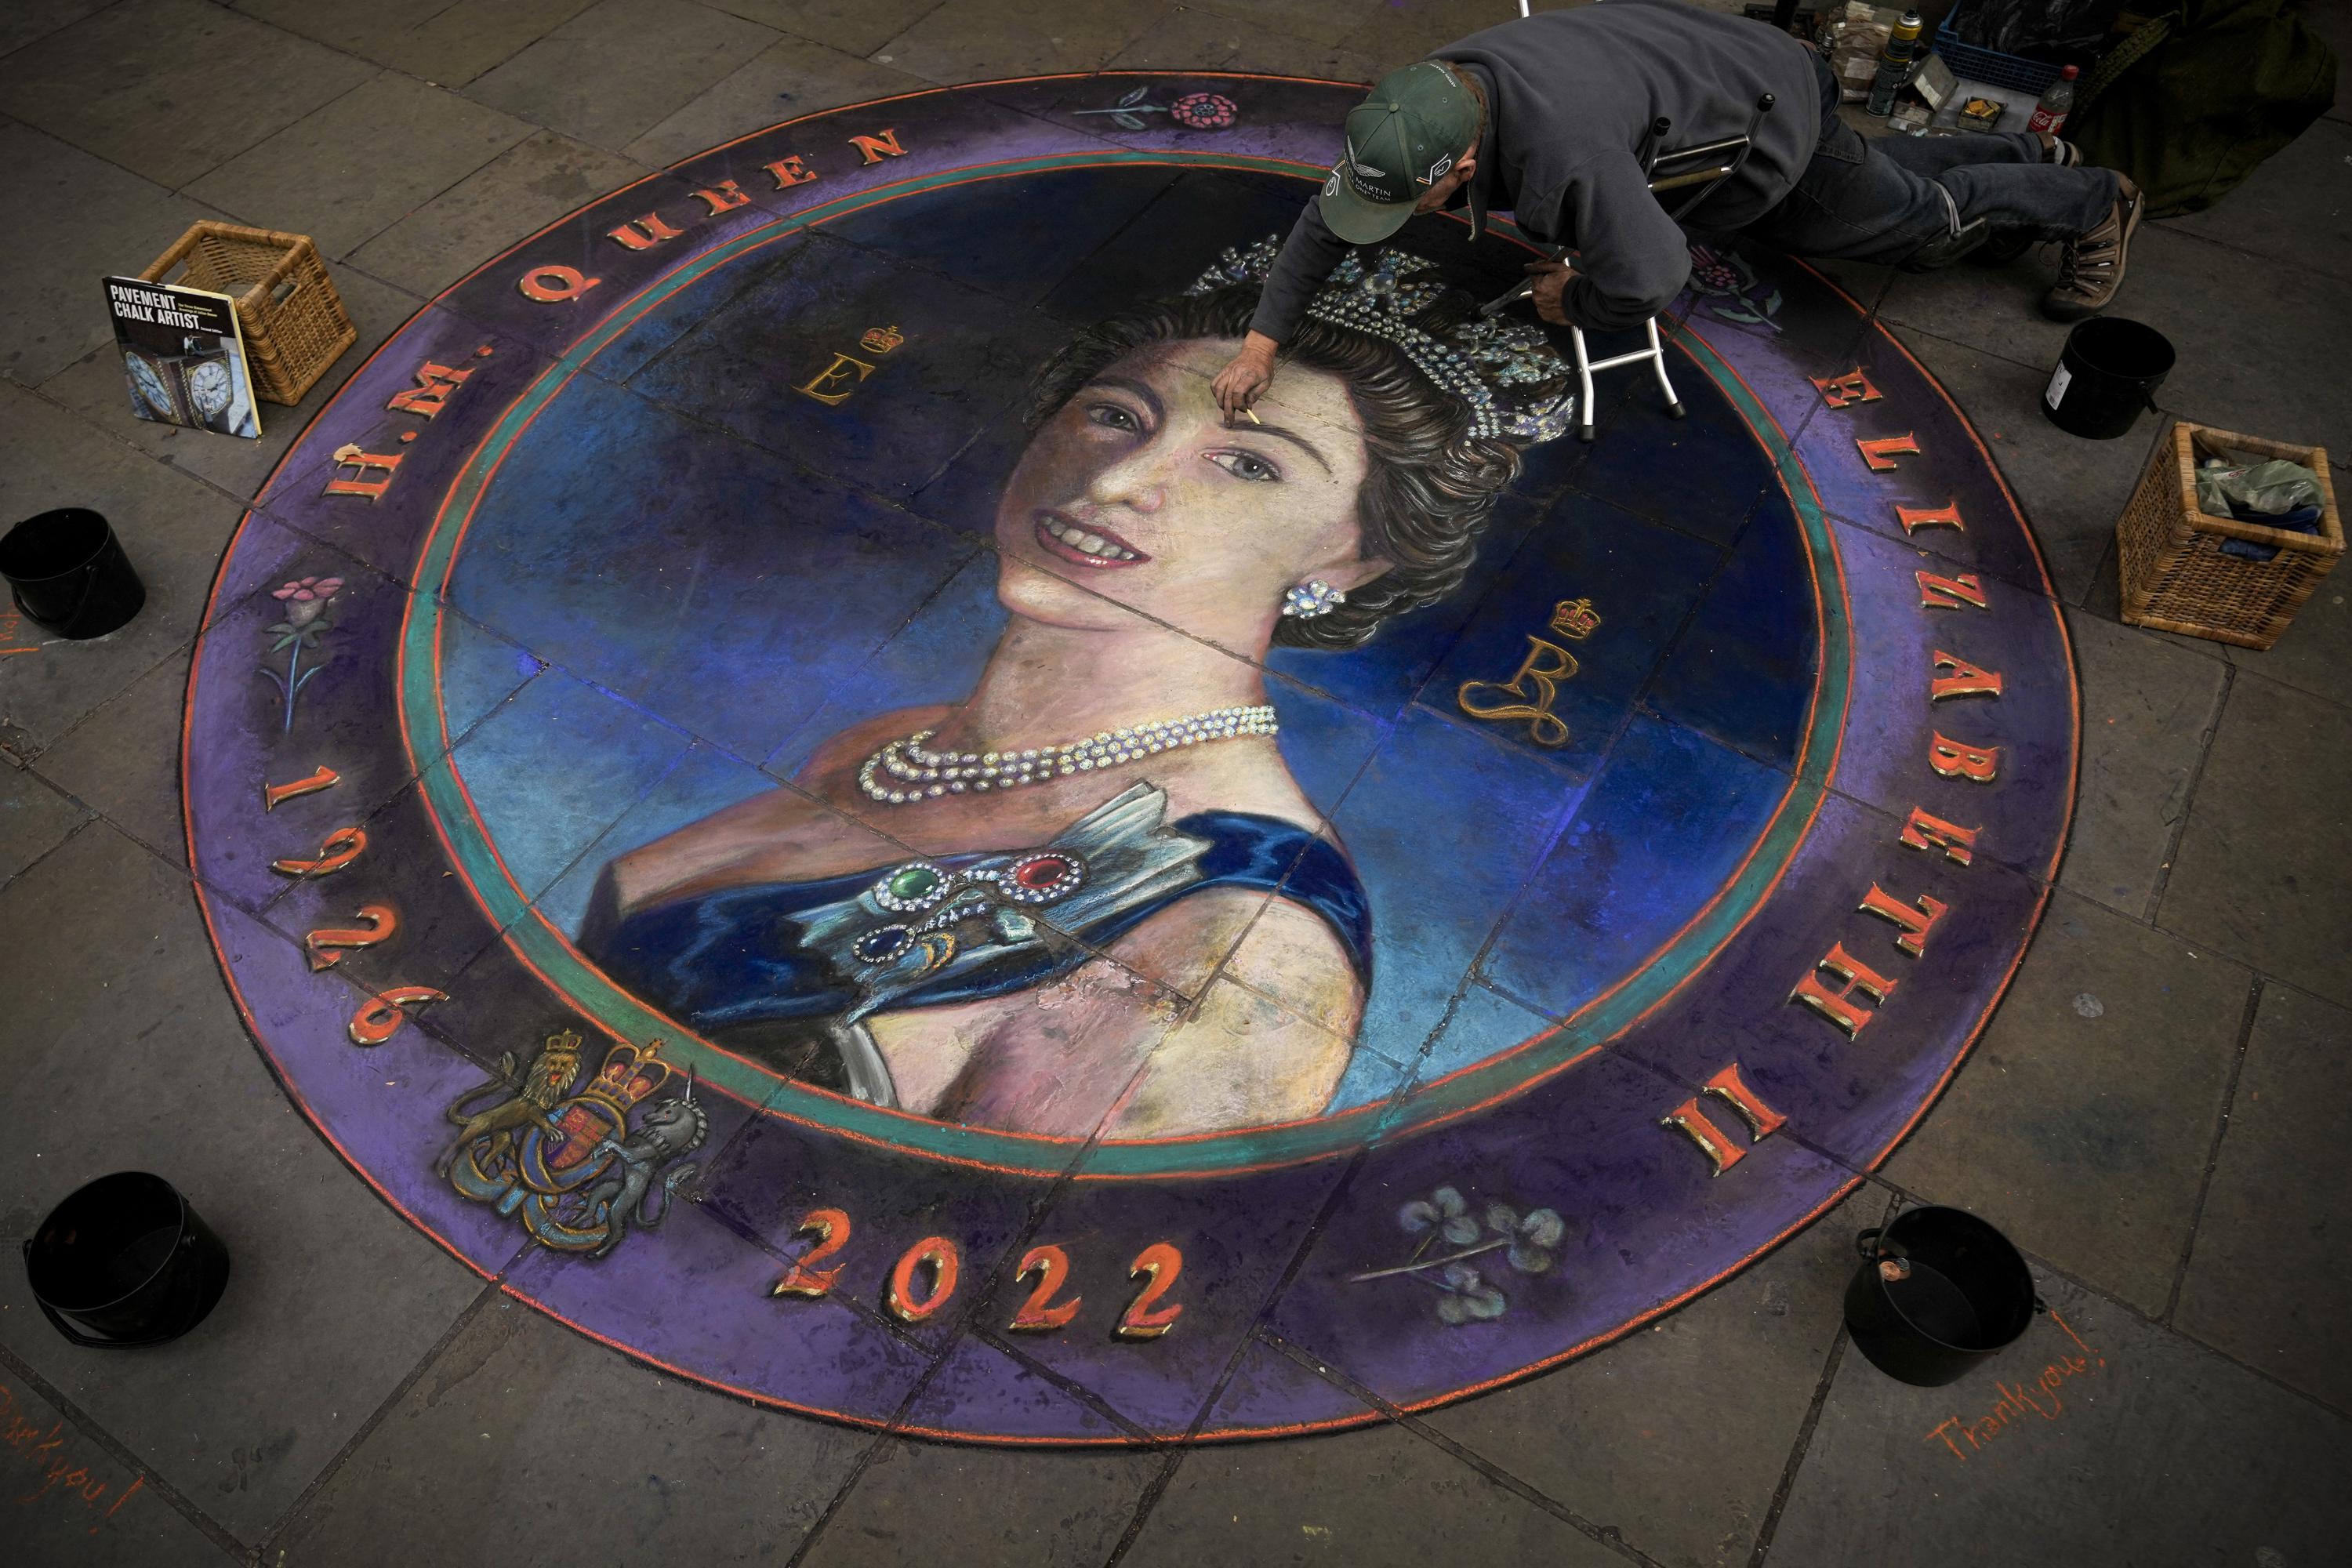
[1570, 97]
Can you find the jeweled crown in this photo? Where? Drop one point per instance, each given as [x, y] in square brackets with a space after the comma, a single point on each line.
[628, 1075]
[1517, 386]
[1575, 619]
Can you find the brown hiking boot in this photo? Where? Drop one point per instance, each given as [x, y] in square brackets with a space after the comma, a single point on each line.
[2093, 268]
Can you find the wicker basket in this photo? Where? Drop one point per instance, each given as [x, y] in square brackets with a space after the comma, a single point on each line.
[293, 320]
[2175, 575]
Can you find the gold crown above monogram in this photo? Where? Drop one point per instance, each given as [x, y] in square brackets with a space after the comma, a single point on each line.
[1575, 619]
[881, 340]
[628, 1075]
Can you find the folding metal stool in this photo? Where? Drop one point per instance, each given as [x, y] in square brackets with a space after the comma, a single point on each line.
[1698, 170]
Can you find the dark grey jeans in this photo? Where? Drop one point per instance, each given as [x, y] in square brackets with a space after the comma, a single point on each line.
[1882, 200]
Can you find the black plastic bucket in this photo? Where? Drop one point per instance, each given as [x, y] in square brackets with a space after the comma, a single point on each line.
[1939, 1290]
[128, 1259]
[2108, 372]
[68, 574]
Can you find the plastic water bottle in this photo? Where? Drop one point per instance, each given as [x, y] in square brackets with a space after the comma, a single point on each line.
[1895, 63]
[2056, 103]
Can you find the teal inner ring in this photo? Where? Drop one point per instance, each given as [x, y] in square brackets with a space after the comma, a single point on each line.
[549, 954]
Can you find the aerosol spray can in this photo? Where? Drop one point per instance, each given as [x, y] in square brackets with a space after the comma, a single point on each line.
[1895, 63]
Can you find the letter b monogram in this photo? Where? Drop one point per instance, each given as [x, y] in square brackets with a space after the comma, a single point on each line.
[1546, 665]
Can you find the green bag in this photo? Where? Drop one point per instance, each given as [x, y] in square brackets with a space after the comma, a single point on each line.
[2192, 101]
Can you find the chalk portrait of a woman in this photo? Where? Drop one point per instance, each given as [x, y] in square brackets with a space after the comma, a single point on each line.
[1109, 798]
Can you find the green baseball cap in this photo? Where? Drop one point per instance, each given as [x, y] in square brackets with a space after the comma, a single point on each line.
[1400, 141]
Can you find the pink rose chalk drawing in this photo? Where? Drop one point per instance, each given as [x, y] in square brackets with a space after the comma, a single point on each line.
[303, 629]
[1199, 110]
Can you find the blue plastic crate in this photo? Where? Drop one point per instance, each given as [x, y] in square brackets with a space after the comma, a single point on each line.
[1991, 64]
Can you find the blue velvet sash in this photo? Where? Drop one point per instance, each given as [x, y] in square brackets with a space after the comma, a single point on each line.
[724, 960]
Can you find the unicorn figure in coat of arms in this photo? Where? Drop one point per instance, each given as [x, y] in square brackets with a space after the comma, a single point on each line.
[562, 1156]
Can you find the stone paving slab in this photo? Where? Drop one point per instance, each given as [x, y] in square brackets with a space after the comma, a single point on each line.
[1866, 281]
[2081, 1124]
[2296, 208]
[860, 28]
[1192, 37]
[2070, 489]
[2259, 873]
[326, 175]
[1386, 1494]
[34, 819]
[1996, 311]
[530, 186]
[919, 1503]
[523, 1442]
[2102, 1441]
[973, 40]
[123, 760]
[2259, 340]
[20, 24]
[2269, 1281]
[1678, 1435]
[1323, 21]
[95, 219]
[2332, 20]
[790, 77]
[456, 43]
[619, 68]
[170, 120]
[171, 526]
[332, 1298]
[76, 1504]
[2314, 652]
[2148, 710]
[1403, 31]
[444, 43]
[1258, 47]
[360, 28]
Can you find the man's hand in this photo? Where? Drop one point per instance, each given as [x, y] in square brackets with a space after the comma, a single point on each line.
[1246, 376]
[1551, 281]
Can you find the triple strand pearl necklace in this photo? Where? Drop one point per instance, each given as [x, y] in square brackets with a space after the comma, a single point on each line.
[905, 771]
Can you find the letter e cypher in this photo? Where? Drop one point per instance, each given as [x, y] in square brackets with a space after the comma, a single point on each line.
[1838, 391]
[1932, 833]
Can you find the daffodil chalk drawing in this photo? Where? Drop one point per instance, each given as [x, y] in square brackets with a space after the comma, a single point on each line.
[1005, 908]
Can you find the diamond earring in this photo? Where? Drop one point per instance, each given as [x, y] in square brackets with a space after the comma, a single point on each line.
[1311, 599]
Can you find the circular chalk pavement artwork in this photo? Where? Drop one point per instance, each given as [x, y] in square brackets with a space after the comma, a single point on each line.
[773, 774]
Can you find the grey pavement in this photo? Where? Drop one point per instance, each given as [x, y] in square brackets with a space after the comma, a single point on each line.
[2154, 1115]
